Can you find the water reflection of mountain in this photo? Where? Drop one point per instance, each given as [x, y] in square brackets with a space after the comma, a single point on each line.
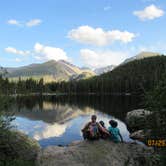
[63, 108]
[52, 112]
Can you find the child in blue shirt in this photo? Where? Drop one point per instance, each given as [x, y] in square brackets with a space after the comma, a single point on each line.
[114, 131]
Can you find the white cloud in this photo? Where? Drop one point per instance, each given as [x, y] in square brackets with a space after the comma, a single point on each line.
[13, 50]
[17, 59]
[149, 13]
[41, 52]
[30, 23]
[13, 22]
[106, 8]
[49, 53]
[33, 22]
[94, 59]
[99, 37]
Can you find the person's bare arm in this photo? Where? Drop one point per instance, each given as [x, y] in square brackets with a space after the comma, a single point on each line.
[85, 127]
[103, 129]
[121, 137]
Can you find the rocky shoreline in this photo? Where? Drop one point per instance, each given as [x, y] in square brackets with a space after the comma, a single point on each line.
[98, 153]
[80, 153]
[105, 152]
[83, 153]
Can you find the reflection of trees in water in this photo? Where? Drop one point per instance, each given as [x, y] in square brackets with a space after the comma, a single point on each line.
[50, 111]
[29, 102]
[114, 105]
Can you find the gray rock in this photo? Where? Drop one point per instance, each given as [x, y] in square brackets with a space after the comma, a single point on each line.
[136, 119]
[140, 135]
[98, 153]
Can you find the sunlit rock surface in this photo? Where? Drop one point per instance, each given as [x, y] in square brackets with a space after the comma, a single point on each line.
[98, 153]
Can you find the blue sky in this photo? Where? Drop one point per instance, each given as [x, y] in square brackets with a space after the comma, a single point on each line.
[93, 33]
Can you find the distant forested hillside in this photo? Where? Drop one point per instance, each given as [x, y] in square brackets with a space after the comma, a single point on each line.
[131, 77]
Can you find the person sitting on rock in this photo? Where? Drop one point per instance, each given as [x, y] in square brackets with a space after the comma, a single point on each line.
[114, 131]
[91, 131]
[103, 135]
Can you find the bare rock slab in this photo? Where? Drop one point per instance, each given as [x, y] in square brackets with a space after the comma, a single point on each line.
[98, 153]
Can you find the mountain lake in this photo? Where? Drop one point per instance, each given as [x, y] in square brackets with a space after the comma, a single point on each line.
[58, 120]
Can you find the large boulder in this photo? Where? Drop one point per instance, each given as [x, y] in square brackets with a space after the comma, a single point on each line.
[102, 152]
[136, 119]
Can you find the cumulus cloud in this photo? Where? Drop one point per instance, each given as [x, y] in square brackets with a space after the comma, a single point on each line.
[99, 37]
[13, 22]
[94, 59]
[30, 23]
[33, 22]
[13, 50]
[149, 13]
[41, 52]
[49, 53]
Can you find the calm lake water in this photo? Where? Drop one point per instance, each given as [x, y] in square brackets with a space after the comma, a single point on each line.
[58, 120]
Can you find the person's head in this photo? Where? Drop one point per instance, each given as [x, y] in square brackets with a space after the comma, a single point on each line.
[102, 123]
[93, 118]
[113, 123]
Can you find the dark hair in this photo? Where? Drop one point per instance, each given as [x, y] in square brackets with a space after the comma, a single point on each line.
[102, 123]
[113, 123]
[93, 117]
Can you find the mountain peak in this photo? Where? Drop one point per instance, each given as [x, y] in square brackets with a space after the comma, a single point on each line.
[51, 61]
[67, 63]
[142, 55]
[145, 54]
[50, 71]
[106, 69]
